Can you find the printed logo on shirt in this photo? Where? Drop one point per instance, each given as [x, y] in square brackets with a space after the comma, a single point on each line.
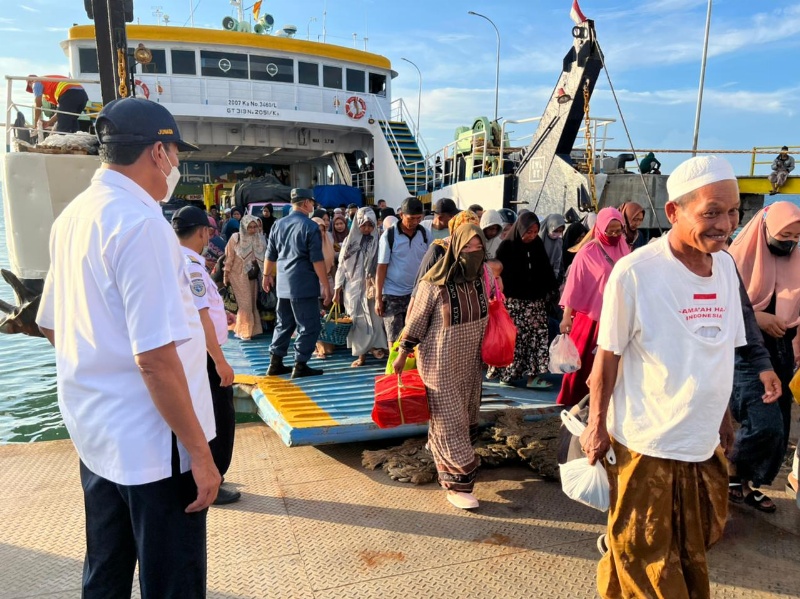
[706, 297]
[705, 309]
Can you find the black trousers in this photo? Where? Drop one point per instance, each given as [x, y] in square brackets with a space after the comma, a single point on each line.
[73, 101]
[224, 417]
[144, 523]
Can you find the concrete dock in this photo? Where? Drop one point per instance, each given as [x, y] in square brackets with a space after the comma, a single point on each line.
[314, 524]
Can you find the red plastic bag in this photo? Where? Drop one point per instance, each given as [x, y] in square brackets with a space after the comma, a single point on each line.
[500, 337]
[400, 400]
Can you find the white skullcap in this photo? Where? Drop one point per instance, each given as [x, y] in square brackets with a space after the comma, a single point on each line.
[698, 172]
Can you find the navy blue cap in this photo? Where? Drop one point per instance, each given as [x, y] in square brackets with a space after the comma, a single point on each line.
[189, 216]
[300, 195]
[140, 122]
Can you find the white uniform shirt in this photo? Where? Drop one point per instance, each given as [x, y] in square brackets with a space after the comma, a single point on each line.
[117, 287]
[205, 293]
[676, 333]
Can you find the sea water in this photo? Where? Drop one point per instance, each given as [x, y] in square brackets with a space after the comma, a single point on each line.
[28, 402]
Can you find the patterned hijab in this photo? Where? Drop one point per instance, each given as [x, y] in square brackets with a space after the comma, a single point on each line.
[250, 247]
[445, 270]
[360, 248]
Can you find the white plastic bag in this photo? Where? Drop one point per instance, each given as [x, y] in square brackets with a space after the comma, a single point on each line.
[585, 483]
[581, 481]
[564, 356]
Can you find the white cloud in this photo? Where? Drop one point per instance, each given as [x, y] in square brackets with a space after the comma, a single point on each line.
[29, 8]
[14, 29]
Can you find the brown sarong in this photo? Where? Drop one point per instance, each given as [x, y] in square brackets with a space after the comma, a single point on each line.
[663, 516]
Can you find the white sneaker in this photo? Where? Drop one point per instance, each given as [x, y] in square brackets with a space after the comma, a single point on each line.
[463, 501]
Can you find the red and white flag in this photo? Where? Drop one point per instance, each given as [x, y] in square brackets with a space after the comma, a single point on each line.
[576, 14]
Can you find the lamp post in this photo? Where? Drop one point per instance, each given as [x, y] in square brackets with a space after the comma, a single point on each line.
[702, 81]
[419, 94]
[308, 28]
[497, 71]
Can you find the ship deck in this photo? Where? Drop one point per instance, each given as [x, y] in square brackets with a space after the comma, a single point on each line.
[314, 524]
[337, 406]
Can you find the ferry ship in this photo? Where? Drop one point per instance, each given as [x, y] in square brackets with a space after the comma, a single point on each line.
[256, 100]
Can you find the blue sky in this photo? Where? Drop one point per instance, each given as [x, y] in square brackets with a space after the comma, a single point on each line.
[652, 52]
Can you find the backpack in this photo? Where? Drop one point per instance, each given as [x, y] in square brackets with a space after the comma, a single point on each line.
[390, 235]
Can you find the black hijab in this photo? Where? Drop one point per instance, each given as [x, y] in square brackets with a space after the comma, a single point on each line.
[527, 272]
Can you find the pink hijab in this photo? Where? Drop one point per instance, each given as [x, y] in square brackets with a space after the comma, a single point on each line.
[590, 270]
[763, 273]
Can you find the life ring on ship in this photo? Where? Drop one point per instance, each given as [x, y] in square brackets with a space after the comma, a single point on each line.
[355, 107]
[142, 86]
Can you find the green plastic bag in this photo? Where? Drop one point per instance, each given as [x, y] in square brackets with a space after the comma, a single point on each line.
[411, 360]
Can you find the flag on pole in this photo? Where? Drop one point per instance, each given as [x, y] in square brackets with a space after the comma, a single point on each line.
[256, 10]
[575, 14]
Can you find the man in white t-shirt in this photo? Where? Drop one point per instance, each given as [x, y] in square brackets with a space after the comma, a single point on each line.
[130, 362]
[670, 323]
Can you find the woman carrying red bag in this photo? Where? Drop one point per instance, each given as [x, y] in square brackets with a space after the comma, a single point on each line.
[583, 296]
[447, 322]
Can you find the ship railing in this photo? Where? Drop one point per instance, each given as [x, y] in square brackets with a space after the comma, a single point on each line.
[767, 150]
[13, 106]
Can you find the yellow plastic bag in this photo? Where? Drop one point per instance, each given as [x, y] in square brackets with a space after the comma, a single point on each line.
[794, 387]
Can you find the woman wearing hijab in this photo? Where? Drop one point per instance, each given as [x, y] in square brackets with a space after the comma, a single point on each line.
[355, 285]
[492, 224]
[572, 237]
[766, 256]
[267, 219]
[340, 232]
[551, 232]
[233, 225]
[447, 322]
[582, 298]
[633, 217]
[328, 253]
[244, 253]
[527, 280]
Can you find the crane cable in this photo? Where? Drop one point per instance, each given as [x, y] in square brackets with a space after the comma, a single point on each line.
[589, 148]
[628, 135]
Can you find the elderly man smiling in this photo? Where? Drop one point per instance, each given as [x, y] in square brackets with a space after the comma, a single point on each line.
[663, 375]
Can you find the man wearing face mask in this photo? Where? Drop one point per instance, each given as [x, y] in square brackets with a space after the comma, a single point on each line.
[130, 356]
[294, 257]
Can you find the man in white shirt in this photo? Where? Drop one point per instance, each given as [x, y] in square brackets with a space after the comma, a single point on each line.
[191, 225]
[130, 361]
[671, 320]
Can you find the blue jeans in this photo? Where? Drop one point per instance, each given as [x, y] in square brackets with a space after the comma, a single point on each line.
[301, 315]
[145, 523]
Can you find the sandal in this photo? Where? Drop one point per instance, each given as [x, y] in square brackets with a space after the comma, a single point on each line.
[756, 499]
[538, 383]
[735, 490]
[379, 354]
[360, 361]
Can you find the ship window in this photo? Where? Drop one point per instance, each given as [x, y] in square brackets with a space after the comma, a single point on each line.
[332, 77]
[355, 80]
[377, 84]
[308, 73]
[183, 62]
[223, 64]
[87, 59]
[265, 68]
[159, 63]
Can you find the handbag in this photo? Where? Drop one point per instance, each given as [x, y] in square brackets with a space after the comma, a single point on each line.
[500, 337]
[335, 326]
[228, 299]
[400, 399]
[253, 272]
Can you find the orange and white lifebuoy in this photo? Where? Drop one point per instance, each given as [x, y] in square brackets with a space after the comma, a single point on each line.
[355, 107]
[141, 88]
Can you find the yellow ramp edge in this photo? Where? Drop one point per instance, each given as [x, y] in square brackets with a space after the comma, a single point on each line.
[761, 185]
[297, 408]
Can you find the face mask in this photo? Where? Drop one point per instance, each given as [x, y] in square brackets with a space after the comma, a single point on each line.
[468, 266]
[554, 235]
[173, 177]
[780, 247]
[614, 240]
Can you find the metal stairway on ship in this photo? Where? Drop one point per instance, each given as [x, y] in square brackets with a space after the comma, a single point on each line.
[407, 155]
